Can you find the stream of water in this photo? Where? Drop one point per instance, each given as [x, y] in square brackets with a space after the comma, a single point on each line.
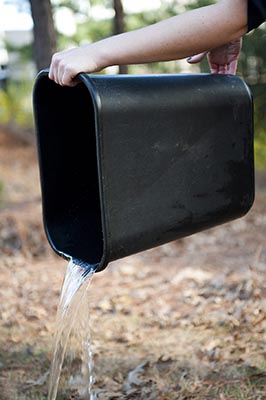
[73, 322]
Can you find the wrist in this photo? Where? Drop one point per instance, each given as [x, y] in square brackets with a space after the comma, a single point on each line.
[102, 54]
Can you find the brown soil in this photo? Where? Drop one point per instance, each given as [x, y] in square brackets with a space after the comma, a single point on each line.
[184, 321]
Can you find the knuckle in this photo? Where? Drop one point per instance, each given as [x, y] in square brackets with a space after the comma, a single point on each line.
[71, 71]
[68, 69]
[56, 58]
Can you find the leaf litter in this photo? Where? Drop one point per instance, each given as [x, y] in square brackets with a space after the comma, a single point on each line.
[184, 321]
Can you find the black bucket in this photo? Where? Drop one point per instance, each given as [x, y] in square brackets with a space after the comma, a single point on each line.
[131, 162]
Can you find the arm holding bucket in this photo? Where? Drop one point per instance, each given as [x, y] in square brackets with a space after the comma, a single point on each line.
[197, 31]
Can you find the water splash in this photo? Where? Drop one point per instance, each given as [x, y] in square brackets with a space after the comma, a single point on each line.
[73, 318]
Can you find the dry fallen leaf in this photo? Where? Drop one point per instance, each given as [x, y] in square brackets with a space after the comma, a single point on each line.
[133, 377]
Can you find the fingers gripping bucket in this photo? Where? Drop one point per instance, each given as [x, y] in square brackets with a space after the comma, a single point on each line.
[131, 162]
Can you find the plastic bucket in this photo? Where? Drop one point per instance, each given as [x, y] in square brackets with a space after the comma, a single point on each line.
[131, 162]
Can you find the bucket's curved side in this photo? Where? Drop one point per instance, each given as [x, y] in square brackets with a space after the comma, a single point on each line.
[67, 219]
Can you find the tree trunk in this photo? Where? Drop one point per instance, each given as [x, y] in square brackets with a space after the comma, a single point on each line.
[44, 32]
[119, 27]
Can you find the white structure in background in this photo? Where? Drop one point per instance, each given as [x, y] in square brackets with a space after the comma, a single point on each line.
[3, 51]
[16, 31]
[19, 70]
[3, 62]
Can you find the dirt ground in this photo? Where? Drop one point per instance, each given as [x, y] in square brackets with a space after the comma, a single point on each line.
[184, 321]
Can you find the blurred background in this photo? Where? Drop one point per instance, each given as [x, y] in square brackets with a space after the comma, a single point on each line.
[31, 31]
[186, 320]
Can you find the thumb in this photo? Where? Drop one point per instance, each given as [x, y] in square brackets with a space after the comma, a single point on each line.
[197, 58]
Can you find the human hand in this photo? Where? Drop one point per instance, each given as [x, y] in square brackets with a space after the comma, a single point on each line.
[66, 65]
[223, 59]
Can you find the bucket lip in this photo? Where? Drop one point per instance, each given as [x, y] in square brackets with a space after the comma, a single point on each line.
[39, 76]
[96, 101]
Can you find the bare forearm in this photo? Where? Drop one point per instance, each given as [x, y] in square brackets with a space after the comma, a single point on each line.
[190, 33]
[178, 37]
